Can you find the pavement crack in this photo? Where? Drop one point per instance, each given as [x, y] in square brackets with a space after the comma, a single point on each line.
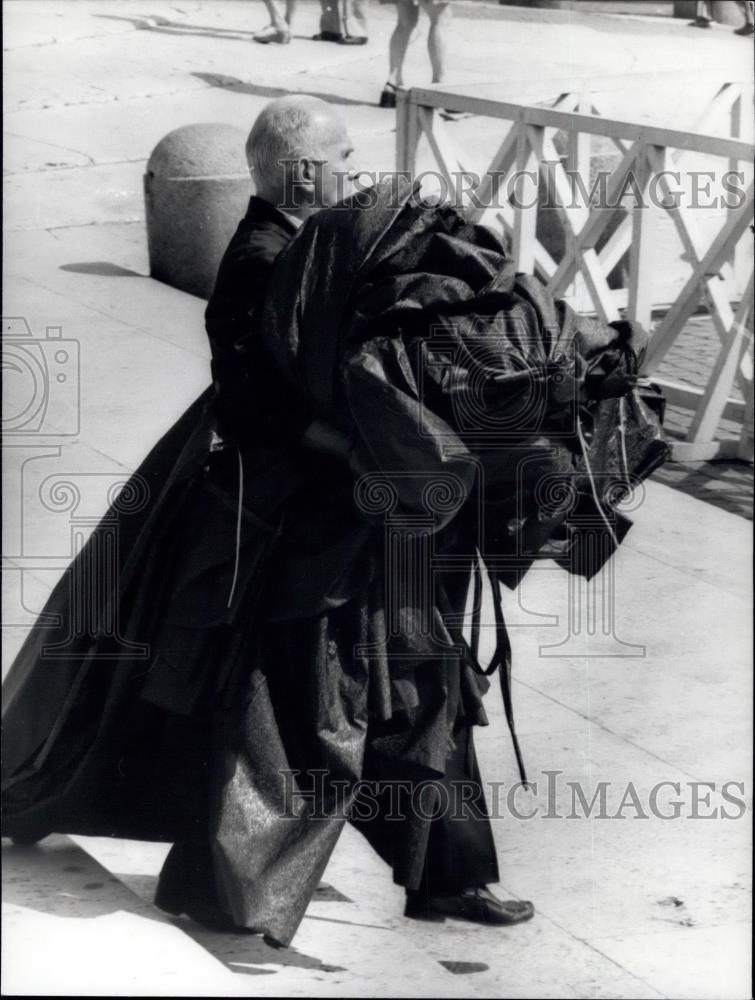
[109, 99]
[611, 732]
[53, 145]
[75, 166]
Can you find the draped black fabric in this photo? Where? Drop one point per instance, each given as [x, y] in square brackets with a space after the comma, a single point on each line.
[487, 422]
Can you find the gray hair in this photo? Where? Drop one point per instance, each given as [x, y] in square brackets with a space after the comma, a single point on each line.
[287, 129]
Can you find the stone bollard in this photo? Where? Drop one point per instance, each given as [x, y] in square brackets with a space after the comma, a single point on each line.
[196, 190]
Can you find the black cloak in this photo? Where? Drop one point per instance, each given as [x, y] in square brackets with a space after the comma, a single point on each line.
[496, 419]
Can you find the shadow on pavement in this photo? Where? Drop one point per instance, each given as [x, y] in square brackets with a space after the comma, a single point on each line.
[247, 954]
[258, 90]
[727, 485]
[59, 879]
[102, 267]
[161, 25]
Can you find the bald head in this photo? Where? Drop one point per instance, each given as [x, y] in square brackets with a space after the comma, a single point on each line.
[288, 132]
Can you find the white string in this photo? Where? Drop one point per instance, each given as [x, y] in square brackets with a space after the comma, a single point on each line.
[238, 528]
[592, 483]
[622, 435]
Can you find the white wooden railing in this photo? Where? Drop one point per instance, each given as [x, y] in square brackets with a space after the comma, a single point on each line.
[647, 156]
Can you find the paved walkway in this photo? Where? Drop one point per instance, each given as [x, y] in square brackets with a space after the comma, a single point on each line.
[634, 907]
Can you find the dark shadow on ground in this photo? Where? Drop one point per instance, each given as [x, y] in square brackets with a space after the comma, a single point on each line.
[102, 267]
[258, 90]
[247, 954]
[242, 952]
[465, 968]
[164, 26]
[727, 485]
[57, 878]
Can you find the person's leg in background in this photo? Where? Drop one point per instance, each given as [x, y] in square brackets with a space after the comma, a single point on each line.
[439, 12]
[335, 19]
[407, 16]
[330, 22]
[703, 16]
[748, 10]
[354, 19]
[279, 29]
[440, 15]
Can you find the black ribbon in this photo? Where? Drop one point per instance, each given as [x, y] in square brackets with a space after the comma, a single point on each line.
[501, 659]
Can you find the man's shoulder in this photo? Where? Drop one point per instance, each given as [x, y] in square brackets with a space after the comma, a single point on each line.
[245, 269]
[262, 233]
[259, 240]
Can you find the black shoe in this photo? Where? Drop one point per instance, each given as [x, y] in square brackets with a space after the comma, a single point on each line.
[327, 36]
[27, 839]
[699, 22]
[388, 97]
[353, 40]
[24, 834]
[746, 29]
[479, 906]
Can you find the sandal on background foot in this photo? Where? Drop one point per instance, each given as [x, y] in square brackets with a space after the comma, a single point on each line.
[388, 97]
[449, 115]
[273, 35]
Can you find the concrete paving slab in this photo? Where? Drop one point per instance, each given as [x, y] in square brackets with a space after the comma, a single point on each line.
[707, 962]
[46, 491]
[75, 197]
[699, 539]
[103, 282]
[34, 24]
[115, 384]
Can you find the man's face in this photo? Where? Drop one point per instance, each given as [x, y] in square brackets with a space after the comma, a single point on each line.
[335, 178]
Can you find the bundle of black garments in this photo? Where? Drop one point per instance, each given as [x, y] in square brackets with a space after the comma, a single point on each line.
[278, 636]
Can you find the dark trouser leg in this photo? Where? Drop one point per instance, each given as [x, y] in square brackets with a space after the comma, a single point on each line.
[330, 17]
[460, 849]
[441, 855]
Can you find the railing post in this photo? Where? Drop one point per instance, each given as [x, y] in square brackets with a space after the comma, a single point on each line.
[737, 261]
[641, 250]
[745, 448]
[525, 210]
[708, 415]
[407, 132]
